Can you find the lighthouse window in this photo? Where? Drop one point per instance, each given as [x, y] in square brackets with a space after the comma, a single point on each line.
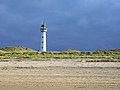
[42, 42]
[42, 47]
[42, 36]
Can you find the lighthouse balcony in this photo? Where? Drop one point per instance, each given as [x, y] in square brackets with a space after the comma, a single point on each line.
[43, 30]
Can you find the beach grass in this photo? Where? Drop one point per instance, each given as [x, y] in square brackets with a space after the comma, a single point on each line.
[19, 52]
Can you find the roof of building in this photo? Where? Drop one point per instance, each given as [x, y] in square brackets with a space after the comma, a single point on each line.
[43, 25]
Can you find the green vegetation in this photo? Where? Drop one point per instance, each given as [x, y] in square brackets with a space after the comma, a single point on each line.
[16, 49]
[18, 52]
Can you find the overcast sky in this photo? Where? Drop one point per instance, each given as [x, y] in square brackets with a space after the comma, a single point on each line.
[72, 24]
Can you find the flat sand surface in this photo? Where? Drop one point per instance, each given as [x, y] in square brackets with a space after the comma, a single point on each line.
[59, 75]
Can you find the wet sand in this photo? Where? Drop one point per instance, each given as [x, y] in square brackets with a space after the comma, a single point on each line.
[59, 75]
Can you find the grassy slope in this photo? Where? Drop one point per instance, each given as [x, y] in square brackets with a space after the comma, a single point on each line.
[16, 49]
[18, 52]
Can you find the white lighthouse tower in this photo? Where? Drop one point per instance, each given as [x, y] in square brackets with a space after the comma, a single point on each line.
[43, 37]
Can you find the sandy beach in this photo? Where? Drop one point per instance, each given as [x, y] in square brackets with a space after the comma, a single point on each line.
[59, 75]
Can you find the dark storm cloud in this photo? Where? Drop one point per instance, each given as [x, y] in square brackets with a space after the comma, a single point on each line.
[78, 24]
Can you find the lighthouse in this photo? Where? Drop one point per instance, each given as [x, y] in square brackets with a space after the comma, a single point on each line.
[43, 30]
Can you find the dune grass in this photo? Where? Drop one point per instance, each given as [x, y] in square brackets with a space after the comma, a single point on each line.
[19, 52]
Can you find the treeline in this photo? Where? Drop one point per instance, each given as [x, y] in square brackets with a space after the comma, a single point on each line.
[18, 52]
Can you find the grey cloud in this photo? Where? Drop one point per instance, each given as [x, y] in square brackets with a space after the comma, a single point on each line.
[79, 24]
